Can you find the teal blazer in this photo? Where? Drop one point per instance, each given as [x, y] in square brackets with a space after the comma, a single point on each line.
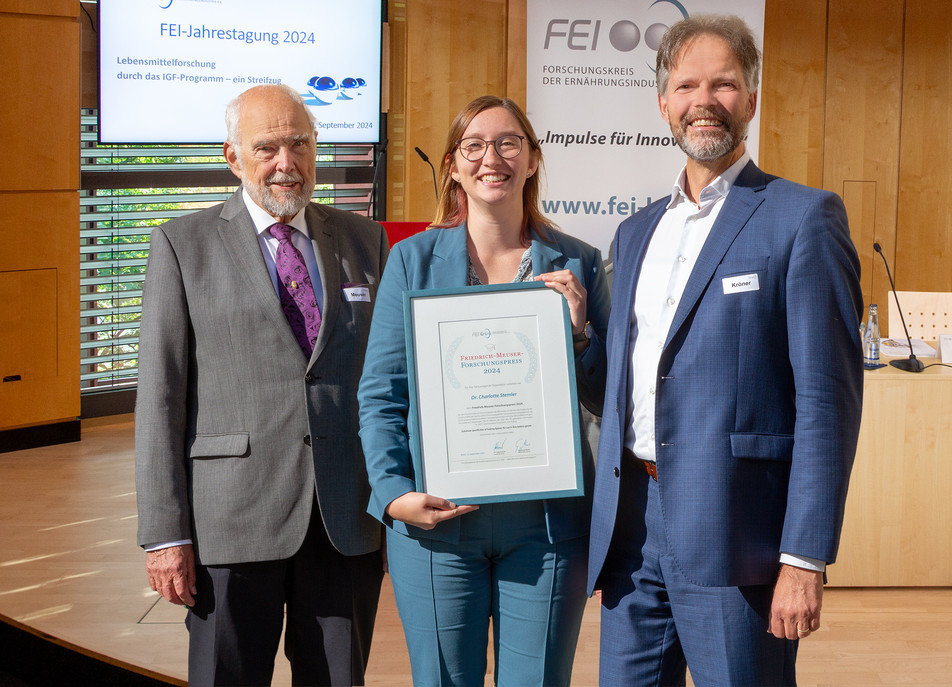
[437, 258]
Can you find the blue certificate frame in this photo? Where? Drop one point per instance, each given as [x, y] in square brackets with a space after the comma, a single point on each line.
[493, 404]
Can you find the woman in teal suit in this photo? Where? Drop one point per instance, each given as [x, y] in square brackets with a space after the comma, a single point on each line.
[523, 564]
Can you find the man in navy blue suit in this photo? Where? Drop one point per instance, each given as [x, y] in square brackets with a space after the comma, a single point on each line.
[734, 396]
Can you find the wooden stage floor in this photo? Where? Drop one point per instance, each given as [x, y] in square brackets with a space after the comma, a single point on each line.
[69, 567]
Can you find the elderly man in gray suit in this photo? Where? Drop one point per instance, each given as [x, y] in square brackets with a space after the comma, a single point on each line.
[251, 483]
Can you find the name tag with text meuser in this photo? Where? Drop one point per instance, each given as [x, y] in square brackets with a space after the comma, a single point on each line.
[356, 293]
[741, 283]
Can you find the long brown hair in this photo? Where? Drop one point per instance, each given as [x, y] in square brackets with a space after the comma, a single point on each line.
[452, 209]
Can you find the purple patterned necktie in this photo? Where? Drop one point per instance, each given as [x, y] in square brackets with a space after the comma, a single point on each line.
[295, 289]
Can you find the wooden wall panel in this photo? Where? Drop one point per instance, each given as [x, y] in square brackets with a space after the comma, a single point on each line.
[39, 211]
[454, 53]
[863, 110]
[29, 298]
[396, 114]
[860, 200]
[39, 293]
[89, 57]
[48, 8]
[40, 103]
[923, 246]
[516, 76]
[793, 91]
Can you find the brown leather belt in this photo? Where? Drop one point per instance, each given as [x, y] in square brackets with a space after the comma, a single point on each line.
[649, 466]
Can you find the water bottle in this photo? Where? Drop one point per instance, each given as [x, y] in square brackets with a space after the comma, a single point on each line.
[871, 339]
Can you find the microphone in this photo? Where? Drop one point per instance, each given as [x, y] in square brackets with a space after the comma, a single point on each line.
[373, 183]
[912, 364]
[432, 170]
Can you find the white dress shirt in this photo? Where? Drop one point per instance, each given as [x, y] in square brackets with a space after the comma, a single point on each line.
[672, 253]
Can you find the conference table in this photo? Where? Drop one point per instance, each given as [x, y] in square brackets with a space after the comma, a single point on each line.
[898, 526]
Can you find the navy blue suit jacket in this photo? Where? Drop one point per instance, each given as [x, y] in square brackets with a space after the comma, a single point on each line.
[759, 393]
[437, 258]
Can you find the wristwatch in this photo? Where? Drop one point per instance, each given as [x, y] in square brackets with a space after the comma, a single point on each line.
[582, 336]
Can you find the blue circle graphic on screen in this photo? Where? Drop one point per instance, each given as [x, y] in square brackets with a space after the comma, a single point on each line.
[348, 88]
[323, 90]
[322, 83]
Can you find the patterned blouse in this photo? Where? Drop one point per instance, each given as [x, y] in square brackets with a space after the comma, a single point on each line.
[524, 273]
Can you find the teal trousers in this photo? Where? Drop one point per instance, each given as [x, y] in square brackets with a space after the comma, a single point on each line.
[502, 569]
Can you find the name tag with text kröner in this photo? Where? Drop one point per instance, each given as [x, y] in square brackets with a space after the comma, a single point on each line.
[741, 283]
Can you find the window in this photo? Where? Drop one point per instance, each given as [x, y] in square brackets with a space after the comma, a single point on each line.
[128, 190]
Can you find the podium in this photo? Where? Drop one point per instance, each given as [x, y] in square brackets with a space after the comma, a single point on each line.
[899, 510]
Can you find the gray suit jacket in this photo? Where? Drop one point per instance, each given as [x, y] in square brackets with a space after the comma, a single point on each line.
[235, 430]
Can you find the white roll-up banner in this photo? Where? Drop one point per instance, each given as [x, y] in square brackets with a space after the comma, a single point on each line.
[593, 101]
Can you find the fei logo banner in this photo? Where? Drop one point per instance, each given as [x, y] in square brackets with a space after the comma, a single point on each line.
[593, 101]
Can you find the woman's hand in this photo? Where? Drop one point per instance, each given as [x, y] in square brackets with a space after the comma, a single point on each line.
[423, 510]
[575, 295]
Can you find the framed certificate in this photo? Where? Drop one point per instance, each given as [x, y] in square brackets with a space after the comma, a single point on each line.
[493, 407]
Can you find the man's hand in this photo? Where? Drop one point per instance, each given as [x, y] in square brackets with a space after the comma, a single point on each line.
[423, 510]
[797, 598]
[171, 573]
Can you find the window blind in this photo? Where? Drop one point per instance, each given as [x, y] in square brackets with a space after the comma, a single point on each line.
[128, 190]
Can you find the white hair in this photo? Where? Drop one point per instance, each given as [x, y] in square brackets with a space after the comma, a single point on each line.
[234, 108]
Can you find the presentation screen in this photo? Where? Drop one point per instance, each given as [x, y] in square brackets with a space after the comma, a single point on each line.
[167, 68]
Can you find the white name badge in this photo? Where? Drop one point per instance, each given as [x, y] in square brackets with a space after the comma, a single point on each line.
[741, 283]
[356, 293]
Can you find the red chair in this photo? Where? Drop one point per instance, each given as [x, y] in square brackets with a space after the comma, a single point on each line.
[397, 231]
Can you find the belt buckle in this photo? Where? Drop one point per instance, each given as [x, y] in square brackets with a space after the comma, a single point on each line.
[651, 468]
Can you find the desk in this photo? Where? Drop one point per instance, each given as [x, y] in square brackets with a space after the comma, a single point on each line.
[898, 527]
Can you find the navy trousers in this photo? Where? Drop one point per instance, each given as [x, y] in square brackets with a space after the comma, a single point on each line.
[655, 623]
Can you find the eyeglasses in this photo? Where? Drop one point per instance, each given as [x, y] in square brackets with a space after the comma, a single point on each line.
[474, 149]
